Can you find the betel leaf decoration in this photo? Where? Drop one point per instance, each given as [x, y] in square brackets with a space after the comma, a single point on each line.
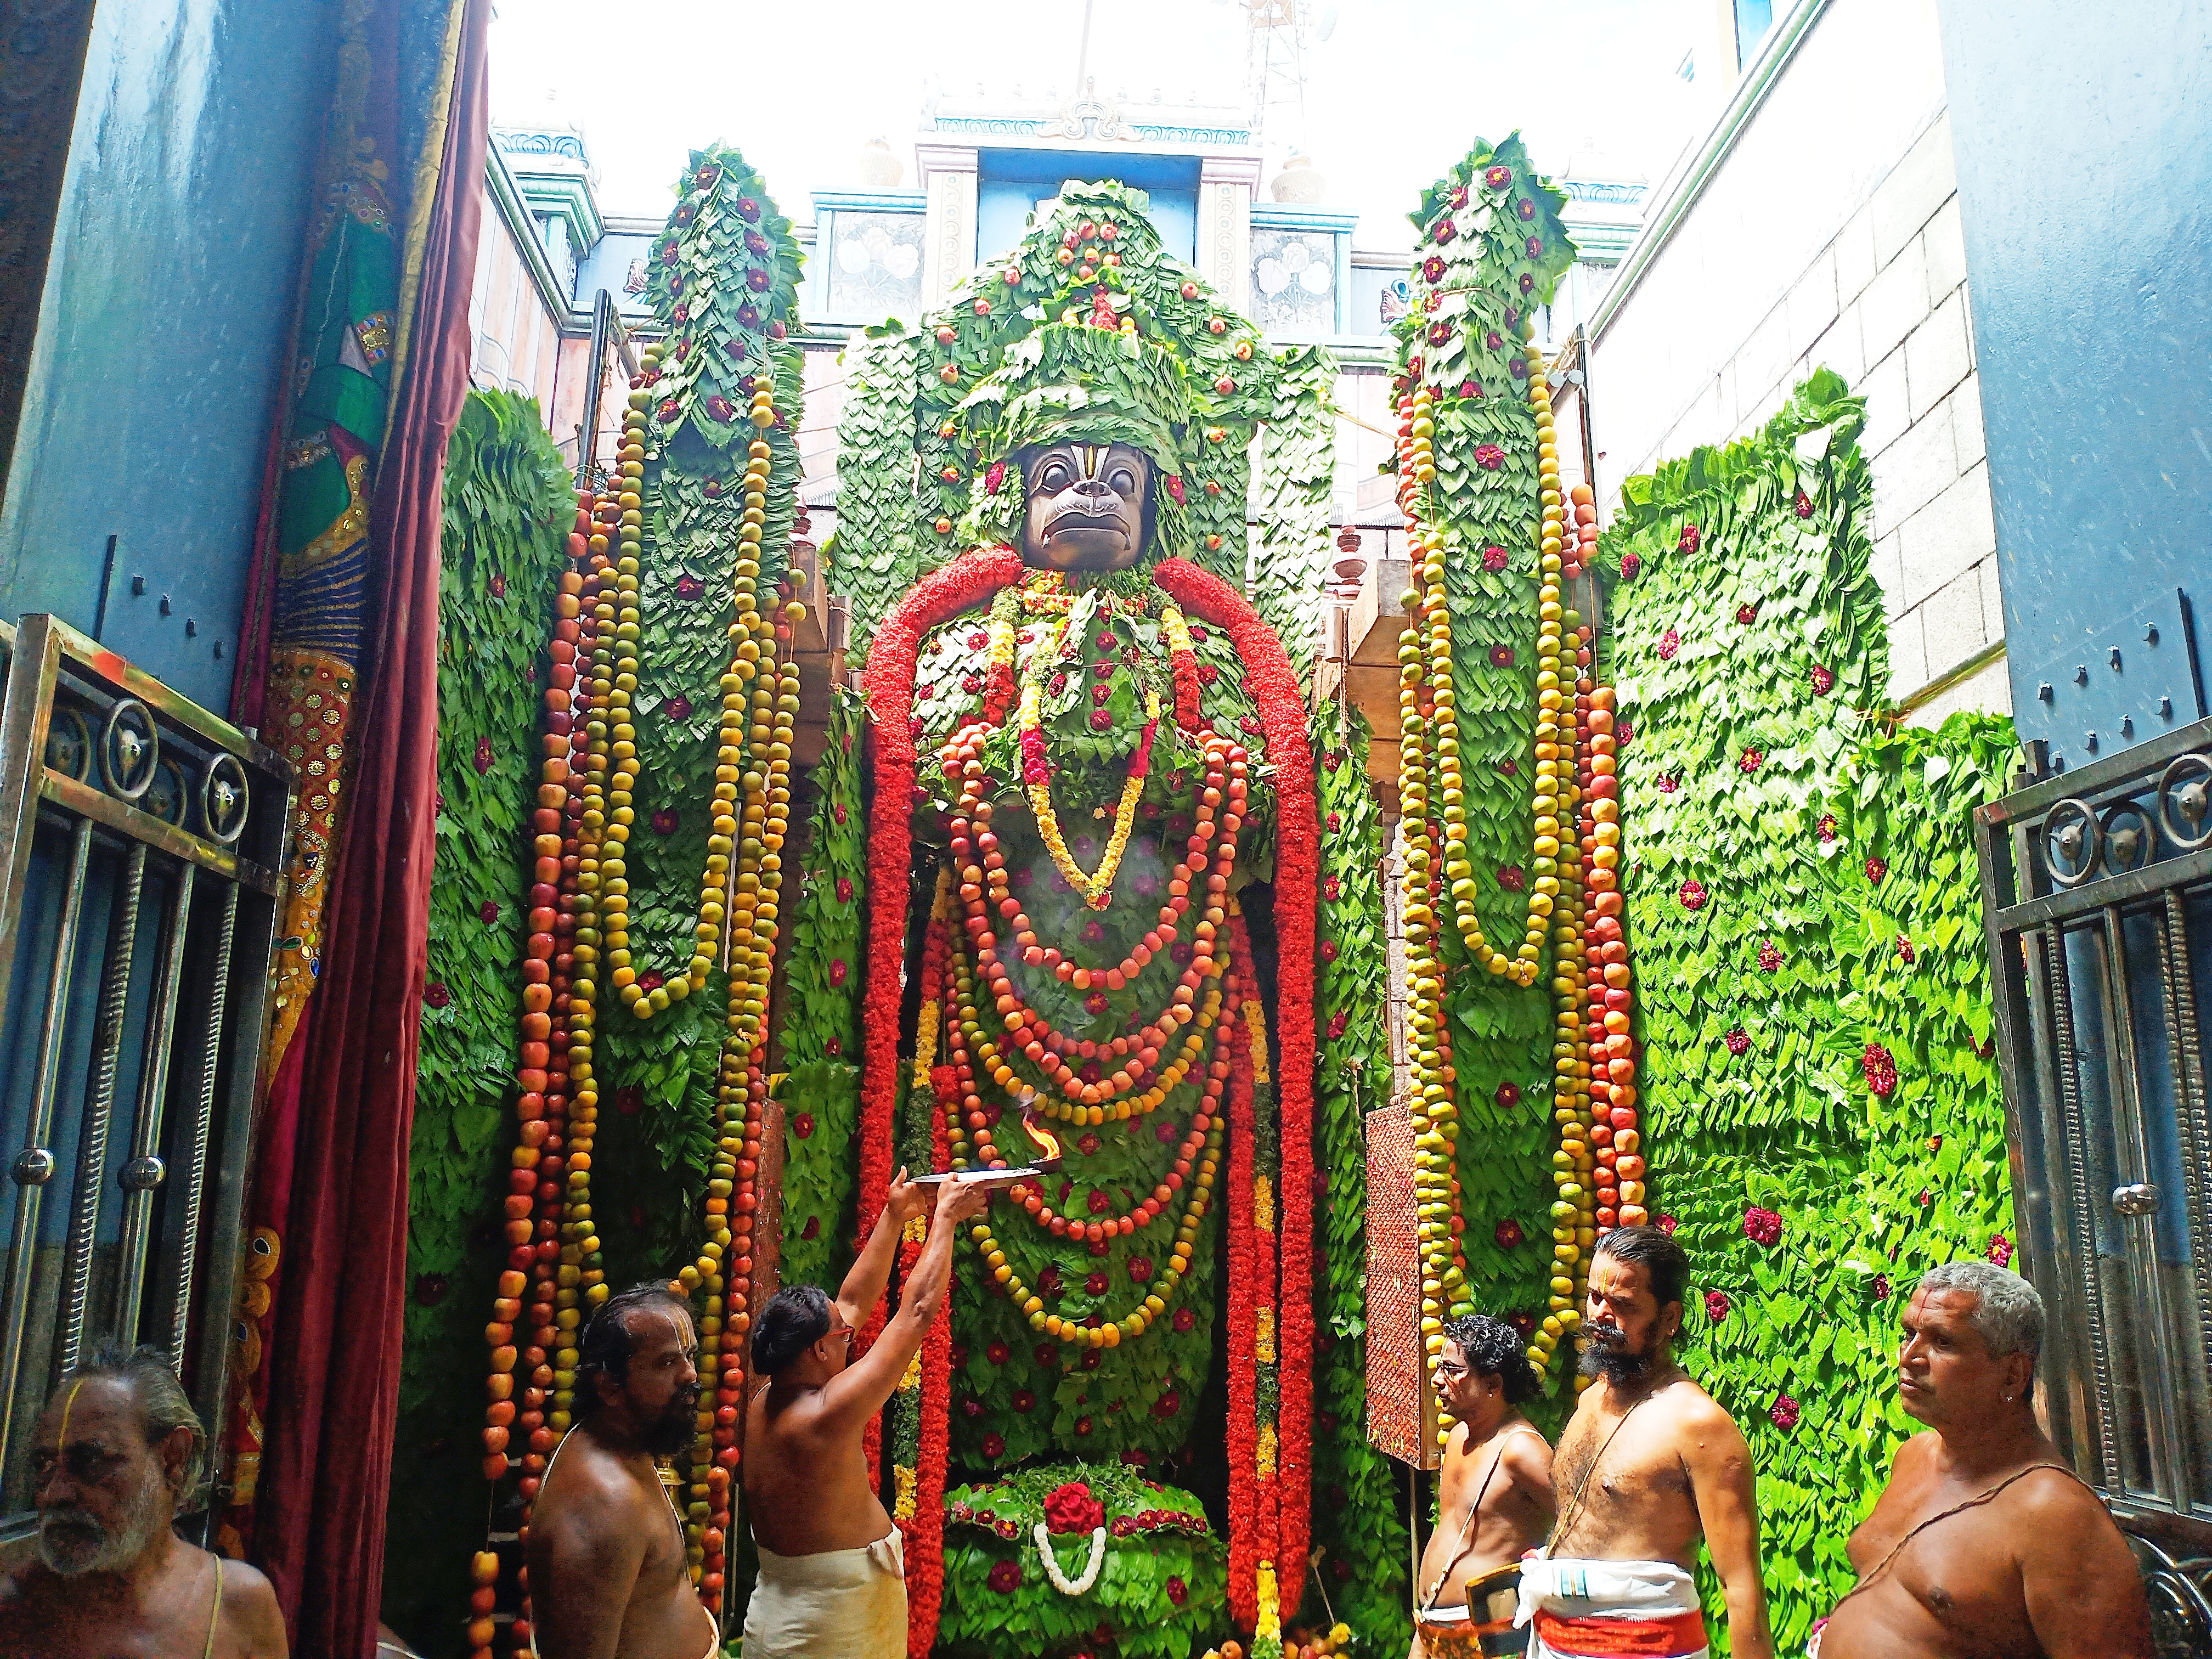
[1826, 1116]
[1297, 475]
[1356, 1520]
[723, 280]
[507, 508]
[1492, 249]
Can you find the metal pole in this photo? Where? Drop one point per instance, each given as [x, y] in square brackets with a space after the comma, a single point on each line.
[34, 1165]
[100, 1108]
[145, 1172]
[587, 436]
[203, 1118]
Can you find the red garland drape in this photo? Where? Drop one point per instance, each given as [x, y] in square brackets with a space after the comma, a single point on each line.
[1274, 688]
[344, 1104]
[887, 684]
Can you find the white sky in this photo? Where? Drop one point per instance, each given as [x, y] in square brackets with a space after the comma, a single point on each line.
[1397, 93]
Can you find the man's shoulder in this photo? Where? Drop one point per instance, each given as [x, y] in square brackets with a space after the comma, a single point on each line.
[2050, 1499]
[1696, 1411]
[597, 1492]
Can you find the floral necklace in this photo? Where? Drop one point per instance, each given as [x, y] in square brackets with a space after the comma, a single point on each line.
[1096, 888]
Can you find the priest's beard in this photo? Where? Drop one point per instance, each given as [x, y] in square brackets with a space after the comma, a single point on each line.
[74, 1541]
[674, 1429]
[1607, 1354]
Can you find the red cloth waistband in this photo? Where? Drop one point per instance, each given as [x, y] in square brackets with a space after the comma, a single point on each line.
[1623, 1638]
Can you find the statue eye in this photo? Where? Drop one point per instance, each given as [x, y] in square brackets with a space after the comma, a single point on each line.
[1123, 480]
[1056, 475]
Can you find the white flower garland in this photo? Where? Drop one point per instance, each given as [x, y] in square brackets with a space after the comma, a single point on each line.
[1059, 1581]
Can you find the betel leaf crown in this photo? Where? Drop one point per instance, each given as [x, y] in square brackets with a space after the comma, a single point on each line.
[1077, 382]
[1022, 349]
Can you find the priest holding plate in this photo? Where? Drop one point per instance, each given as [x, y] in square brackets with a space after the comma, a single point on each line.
[833, 1571]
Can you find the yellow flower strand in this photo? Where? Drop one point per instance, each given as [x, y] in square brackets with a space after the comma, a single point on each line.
[1096, 888]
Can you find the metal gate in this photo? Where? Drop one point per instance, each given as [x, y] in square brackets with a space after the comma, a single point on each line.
[2098, 890]
[142, 842]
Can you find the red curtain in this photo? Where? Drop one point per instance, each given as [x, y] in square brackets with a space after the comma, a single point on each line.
[335, 1363]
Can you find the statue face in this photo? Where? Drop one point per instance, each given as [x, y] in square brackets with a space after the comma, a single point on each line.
[1089, 506]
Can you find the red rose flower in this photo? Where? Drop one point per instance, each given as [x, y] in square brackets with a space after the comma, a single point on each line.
[1769, 956]
[664, 821]
[1803, 504]
[436, 995]
[1099, 1204]
[1876, 869]
[1512, 879]
[1630, 564]
[1906, 950]
[1337, 1023]
[1328, 951]
[1669, 783]
[997, 1353]
[1089, 1146]
[483, 755]
[1509, 1234]
[1178, 1592]
[834, 1046]
[1717, 1305]
[1508, 1095]
[1669, 643]
[1501, 656]
[802, 1125]
[838, 970]
[1762, 1226]
[1784, 1414]
[1826, 829]
[1880, 1068]
[689, 587]
[1668, 1223]
[837, 811]
[1439, 333]
[1692, 538]
[1444, 232]
[1881, 1286]
[1184, 1319]
[1623, 734]
[1746, 614]
[1494, 558]
[1070, 1508]
[2000, 1250]
[1330, 888]
[1824, 679]
[1693, 896]
[1751, 760]
[994, 1446]
[1738, 1039]
[1432, 268]
[1498, 177]
[1005, 1576]
[844, 890]
[1140, 1267]
[487, 912]
[1489, 457]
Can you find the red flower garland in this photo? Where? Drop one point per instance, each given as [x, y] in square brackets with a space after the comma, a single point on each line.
[925, 1533]
[1274, 689]
[887, 684]
[1244, 1545]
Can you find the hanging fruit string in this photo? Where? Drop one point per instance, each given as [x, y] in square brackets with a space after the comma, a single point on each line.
[1426, 646]
[1562, 695]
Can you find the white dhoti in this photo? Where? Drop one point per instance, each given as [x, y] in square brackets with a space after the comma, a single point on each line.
[839, 1604]
[1584, 1609]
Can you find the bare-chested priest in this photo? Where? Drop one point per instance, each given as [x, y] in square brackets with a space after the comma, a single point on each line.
[832, 1568]
[1985, 1545]
[608, 1575]
[1648, 1465]
[1493, 1499]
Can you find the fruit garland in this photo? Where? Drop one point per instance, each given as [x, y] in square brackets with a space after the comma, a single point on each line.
[1609, 982]
[536, 1200]
[1426, 647]
[1274, 689]
[1563, 694]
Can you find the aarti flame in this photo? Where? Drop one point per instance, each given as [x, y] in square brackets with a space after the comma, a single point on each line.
[1046, 1140]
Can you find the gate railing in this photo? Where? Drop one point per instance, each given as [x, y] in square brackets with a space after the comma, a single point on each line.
[142, 842]
[2097, 886]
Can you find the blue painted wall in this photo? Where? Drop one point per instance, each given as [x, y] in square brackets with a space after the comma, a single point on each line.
[2083, 135]
[169, 304]
[1010, 183]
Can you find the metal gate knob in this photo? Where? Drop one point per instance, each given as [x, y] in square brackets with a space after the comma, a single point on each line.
[33, 1166]
[2137, 1198]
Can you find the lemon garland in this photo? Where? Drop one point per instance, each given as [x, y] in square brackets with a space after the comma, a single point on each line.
[760, 701]
[1429, 613]
[1559, 739]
